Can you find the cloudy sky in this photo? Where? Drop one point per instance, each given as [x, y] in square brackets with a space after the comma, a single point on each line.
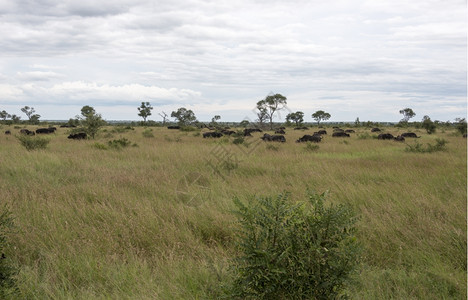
[351, 58]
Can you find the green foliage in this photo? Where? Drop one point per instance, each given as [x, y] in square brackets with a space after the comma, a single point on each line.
[297, 117]
[428, 125]
[418, 147]
[188, 128]
[7, 272]
[268, 106]
[320, 115]
[407, 113]
[294, 251]
[311, 147]
[122, 129]
[33, 142]
[148, 133]
[461, 125]
[244, 123]
[91, 121]
[100, 146]
[119, 144]
[238, 140]
[184, 116]
[144, 110]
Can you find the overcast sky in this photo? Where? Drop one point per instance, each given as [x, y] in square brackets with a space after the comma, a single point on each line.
[351, 58]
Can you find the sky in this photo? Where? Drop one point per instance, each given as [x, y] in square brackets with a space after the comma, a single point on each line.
[364, 59]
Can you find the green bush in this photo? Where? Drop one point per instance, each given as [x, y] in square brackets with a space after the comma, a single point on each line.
[311, 147]
[418, 147]
[148, 133]
[293, 251]
[7, 272]
[238, 140]
[119, 144]
[100, 146]
[33, 142]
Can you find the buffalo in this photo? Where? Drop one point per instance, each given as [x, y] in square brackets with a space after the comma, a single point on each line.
[375, 129]
[316, 138]
[273, 138]
[340, 134]
[46, 130]
[385, 136]
[400, 138]
[350, 131]
[409, 135]
[320, 132]
[27, 132]
[173, 127]
[78, 136]
[227, 132]
[8, 132]
[248, 131]
[212, 134]
[280, 131]
[67, 126]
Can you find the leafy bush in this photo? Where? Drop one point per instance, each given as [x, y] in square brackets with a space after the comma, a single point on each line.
[294, 251]
[100, 146]
[148, 133]
[119, 144]
[238, 140]
[7, 272]
[33, 142]
[418, 147]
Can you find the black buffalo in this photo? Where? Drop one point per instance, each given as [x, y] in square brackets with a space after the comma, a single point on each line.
[212, 134]
[227, 132]
[350, 131]
[320, 132]
[78, 136]
[27, 132]
[400, 138]
[316, 138]
[46, 130]
[409, 135]
[385, 136]
[375, 129]
[8, 132]
[173, 127]
[248, 131]
[340, 134]
[280, 131]
[273, 138]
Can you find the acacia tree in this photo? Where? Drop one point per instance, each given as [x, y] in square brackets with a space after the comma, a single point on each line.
[214, 120]
[297, 117]
[184, 116]
[90, 120]
[270, 105]
[30, 113]
[262, 116]
[320, 115]
[145, 110]
[407, 113]
[4, 115]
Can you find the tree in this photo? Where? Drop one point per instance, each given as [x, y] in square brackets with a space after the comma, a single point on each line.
[15, 119]
[184, 116]
[164, 116]
[145, 110]
[244, 123]
[297, 117]
[461, 125]
[357, 123]
[407, 113]
[270, 105]
[428, 125]
[29, 111]
[90, 120]
[214, 119]
[262, 116]
[4, 115]
[320, 115]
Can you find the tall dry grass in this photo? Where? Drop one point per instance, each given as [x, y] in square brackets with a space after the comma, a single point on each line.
[154, 221]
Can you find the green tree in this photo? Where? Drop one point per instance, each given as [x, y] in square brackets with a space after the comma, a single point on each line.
[461, 125]
[428, 125]
[145, 110]
[270, 105]
[320, 115]
[15, 119]
[214, 120]
[4, 115]
[294, 251]
[90, 120]
[407, 113]
[244, 123]
[184, 116]
[30, 113]
[297, 117]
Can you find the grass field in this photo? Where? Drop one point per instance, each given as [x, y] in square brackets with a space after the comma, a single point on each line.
[154, 220]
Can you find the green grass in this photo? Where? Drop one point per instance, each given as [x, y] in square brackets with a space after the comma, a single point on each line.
[112, 224]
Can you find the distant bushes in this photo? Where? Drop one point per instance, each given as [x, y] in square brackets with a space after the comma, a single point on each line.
[33, 142]
[418, 147]
[115, 144]
[305, 250]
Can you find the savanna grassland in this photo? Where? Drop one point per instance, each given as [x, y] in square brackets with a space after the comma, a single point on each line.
[154, 220]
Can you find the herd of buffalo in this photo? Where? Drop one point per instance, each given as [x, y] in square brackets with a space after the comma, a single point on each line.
[316, 137]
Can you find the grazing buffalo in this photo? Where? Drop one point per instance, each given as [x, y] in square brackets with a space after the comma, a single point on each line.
[340, 134]
[173, 127]
[212, 134]
[273, 138]
[301, 128]
[464, 135]
[385, 136]
[400, 139]
[316, 138]
[8, 132]
[67, 126]
[227, 132]
[350, 131]
[78, 136]
[248, 131]
[27, 132]
[375, 129]
[320, 132]
[46, 130]
[280, 131]
[409, 135]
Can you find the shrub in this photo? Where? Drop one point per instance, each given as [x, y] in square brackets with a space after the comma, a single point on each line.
[100, 146]
[148, 133]
[293, 251]
[311, 147]
[7, 272]
[238, 140]
[33, 142]
[119, 144]
[418, 147]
